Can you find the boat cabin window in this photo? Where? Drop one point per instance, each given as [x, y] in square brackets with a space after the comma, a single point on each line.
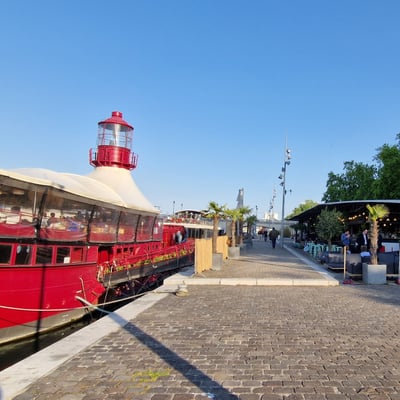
[19, 207]
[77, 254]
[5, 254]
[127, 227]
[23, 255]
[44, 255]
[106, 215]
[158, 229]
[145, 228]
[65, 214]
[104, 224]
[68, 254]
[63, 255]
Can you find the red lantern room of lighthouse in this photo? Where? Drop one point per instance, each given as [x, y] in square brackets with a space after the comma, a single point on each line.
[114, 143]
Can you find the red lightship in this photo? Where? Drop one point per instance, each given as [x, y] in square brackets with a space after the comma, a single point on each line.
[67, 241]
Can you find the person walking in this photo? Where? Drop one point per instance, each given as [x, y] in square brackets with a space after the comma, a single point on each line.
[273, 235]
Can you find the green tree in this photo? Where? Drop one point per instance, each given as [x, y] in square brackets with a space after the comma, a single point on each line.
[302, 207]
[375, 213]
[335, 188]
[215, 212]
[358, 182]
[329, 225]
[388, 160]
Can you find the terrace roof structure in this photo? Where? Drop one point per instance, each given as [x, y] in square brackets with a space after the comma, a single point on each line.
[355, 213]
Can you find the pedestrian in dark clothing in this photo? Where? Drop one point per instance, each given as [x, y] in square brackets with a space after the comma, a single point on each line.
[273, 235]
[265, 235]
[363, 239]
[345, 238]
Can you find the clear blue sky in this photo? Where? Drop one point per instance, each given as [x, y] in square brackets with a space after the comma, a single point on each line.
[213, 89]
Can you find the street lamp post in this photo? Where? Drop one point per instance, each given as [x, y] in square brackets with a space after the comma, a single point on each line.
[282, 176]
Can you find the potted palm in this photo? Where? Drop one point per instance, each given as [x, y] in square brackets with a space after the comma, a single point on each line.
[375, 273]
[251, 222]
[233, 215]
[216, 212]
[243, 211]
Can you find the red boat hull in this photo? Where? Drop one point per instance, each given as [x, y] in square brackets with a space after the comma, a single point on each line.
[35, 299]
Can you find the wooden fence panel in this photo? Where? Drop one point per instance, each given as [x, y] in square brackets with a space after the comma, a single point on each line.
[222, 246]
[203, 253]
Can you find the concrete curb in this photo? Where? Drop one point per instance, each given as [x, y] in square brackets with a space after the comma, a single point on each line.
[187, 277]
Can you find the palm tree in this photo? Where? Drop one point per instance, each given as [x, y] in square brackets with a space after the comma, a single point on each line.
[243, 211]
[215, 212]
[251, 220]
[375, 213]
[233, 215]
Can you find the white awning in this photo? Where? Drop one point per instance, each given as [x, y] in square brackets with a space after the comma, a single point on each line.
[114, 186]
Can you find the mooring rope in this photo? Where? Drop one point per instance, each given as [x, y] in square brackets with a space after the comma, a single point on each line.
[72, 308]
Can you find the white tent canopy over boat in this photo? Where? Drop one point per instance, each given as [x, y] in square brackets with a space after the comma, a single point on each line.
[106, 185]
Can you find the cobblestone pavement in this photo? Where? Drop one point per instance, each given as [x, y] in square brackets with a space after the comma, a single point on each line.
[244, 343]
[262, 261]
